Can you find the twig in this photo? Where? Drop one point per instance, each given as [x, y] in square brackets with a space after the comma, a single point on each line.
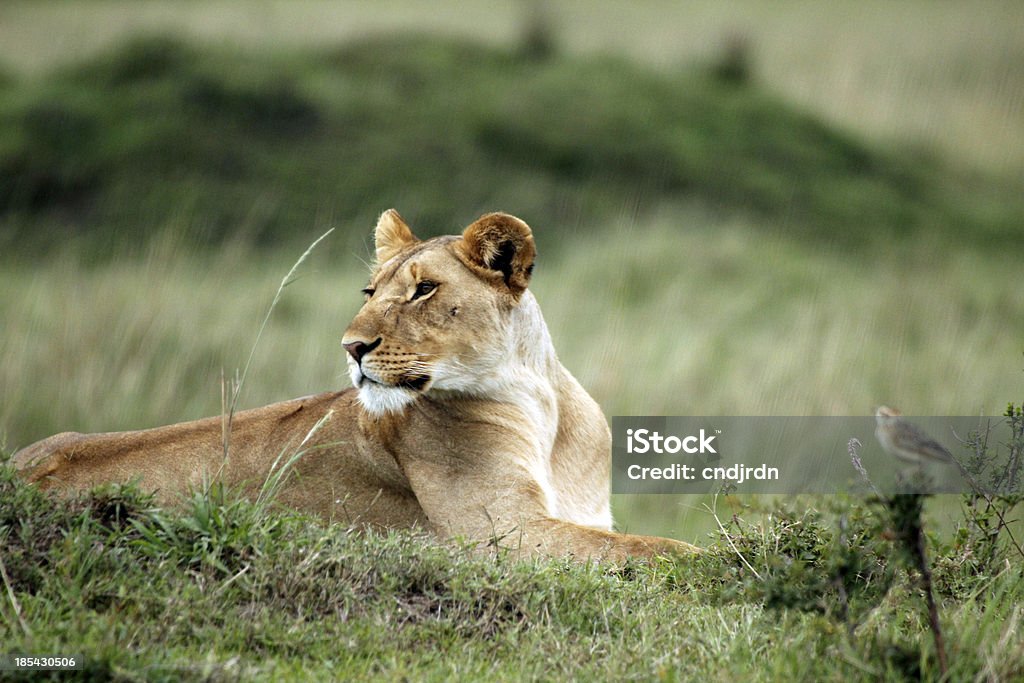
[853, 448]
[990, 501]
[905, 514]
[933, 610]
[13, 598]
[721, 527]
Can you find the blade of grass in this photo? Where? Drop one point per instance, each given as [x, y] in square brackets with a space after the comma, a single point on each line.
[236, 388]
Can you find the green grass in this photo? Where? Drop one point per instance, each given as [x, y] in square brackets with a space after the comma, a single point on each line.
[214, 143]
[222, 589]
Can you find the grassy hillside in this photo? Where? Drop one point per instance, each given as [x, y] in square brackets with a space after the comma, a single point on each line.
[222, 590]
[211, 143]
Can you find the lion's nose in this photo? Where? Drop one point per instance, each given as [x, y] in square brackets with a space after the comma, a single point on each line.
[358, 349]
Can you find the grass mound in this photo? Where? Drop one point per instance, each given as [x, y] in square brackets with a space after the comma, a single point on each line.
[216, 143]
[223, 589]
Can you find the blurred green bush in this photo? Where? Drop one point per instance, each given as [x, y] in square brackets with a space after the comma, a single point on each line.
[216, 144]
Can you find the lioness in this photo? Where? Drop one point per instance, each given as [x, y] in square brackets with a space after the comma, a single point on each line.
[462, 420]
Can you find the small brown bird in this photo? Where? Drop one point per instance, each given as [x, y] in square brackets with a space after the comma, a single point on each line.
[907, 441]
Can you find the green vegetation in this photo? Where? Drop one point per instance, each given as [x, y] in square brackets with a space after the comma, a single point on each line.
[916, 74]
[225, 589]
[216, 143]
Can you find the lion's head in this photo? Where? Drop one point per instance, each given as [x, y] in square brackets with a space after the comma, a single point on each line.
[444, 314]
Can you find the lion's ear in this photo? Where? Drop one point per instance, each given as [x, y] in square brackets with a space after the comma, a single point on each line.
[503, 244]
[392, 235]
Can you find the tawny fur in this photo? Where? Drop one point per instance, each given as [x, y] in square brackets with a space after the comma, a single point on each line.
[462, 421]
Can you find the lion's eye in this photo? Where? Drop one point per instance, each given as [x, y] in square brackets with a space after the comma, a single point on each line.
[424, 288]
[369, 292]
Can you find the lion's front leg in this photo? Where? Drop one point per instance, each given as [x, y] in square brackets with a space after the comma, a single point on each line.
[553, 537]
[482, 500]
